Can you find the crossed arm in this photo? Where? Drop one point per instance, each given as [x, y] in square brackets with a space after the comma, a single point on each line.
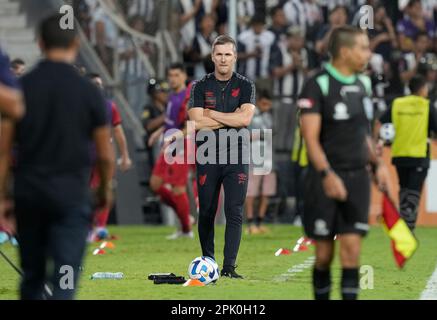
[211, 119]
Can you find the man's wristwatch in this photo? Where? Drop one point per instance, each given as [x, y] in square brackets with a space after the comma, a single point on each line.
[325, 172]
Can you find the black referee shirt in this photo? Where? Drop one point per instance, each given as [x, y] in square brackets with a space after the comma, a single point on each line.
[346, 109]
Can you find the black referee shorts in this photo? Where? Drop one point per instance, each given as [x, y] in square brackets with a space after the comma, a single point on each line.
[324, 217]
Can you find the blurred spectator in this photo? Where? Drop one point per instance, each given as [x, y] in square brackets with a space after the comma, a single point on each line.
[18, 67]
[289, 66]
[132, 70]
[260, 186]
[429, 9]
[413, 23]
[222, 17]
[295, 13]
[154, 115]
[188, 10]
[279, 24]
[144, 8]
[416, 61]
[329, 5]
[382, 36]
[103, 35]
[82, 12]
[201, 50]
[246, 10]
[314, 19]
[337, 18]
[191, 13]
[254, 50]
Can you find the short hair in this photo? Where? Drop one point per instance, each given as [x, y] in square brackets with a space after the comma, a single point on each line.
[224, 39]
[258, 19]
[275, 10]
[421, 34]
[264, 94]
[417, 83]
[53, 36]
[17, 62]
[339, 7]
[177, 66]
[413, 2]
[342, 37]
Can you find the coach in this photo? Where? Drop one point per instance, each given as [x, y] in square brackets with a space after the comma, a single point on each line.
[223, 99]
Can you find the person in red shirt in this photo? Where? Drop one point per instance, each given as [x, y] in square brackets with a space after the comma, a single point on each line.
[99, 231]
[169, 181]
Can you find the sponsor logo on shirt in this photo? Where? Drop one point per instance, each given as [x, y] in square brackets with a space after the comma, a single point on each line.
[235, 92]
[210, 101]
[305, 103]
[242, 178]
[341, 112]
[202, 180]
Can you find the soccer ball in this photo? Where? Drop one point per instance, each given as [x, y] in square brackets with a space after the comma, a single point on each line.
[204, 269]
[387, 133]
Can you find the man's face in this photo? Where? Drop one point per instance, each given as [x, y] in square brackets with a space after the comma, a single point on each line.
[161, 96]
[224, 58]
[176, 79]
[422, 44]
[416, 10]
[19, 70]
[264, 104]
[338, 17]
[258, 28]
[296, 42]
[380, 14]
[279, 18]
[358, 56]
[207, 25]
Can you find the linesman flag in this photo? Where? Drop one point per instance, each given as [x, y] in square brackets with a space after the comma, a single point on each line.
[403, 242]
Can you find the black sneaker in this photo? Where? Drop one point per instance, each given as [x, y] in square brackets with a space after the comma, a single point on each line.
[229, 271]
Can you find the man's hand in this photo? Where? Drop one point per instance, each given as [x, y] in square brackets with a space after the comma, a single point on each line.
[125, 163]
[334, 187]
[7, 218]
[382, 177]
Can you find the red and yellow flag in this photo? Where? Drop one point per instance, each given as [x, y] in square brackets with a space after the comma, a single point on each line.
[403, 242]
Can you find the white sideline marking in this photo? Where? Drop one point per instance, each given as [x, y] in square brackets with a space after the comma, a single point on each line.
[309, 262]
[430, 292]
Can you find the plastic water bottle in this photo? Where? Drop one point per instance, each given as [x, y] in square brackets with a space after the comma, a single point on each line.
[107, 275]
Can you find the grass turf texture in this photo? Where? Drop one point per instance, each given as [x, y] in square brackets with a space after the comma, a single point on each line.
[144, 250]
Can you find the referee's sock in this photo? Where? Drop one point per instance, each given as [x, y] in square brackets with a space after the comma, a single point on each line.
[350, 283]
[321, 284]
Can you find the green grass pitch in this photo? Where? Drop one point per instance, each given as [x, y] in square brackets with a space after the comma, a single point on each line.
[144, 250]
